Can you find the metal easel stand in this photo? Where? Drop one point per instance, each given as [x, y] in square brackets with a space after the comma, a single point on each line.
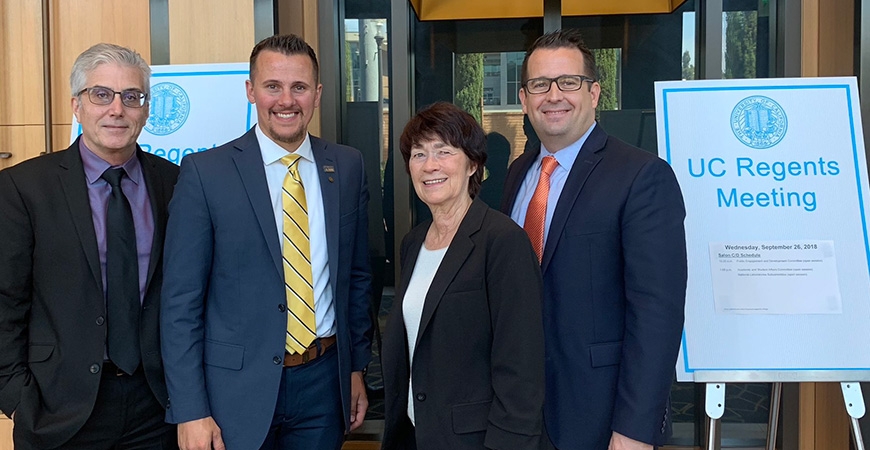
[855, 407]
[773, 418]
[715, 408]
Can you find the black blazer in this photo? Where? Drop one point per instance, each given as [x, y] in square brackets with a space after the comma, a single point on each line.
[52, 308]
[478, 362]
[614, 268]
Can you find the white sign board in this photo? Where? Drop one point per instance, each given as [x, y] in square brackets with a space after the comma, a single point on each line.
[774, 178]
[193, 108]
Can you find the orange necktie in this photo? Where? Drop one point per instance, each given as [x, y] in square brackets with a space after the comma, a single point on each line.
[536, 214]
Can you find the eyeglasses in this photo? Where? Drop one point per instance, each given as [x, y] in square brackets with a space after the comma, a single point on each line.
[131, 98]
[565, 82]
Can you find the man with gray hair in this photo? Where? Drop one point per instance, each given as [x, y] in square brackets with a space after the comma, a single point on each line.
[82, 234]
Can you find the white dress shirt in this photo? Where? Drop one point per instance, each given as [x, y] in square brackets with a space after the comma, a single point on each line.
[324, 308]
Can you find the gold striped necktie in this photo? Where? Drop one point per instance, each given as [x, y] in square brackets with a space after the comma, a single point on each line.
[296, 251]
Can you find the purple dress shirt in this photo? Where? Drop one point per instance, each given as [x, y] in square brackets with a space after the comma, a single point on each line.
[136, 192]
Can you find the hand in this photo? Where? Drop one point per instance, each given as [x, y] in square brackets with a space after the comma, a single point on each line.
[620, 442]
[359, 403]
[200, 434]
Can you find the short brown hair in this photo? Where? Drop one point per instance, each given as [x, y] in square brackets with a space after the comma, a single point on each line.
[454, 126]
[285, 44]
[564, 38]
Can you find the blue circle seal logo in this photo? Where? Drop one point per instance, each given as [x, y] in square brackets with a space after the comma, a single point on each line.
[170, 107]
[759, 122]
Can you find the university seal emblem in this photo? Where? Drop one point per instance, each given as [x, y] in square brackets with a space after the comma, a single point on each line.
[170, 107]
[759, 122]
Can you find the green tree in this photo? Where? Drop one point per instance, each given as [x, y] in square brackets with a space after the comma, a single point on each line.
[468, 86]
[688, 67]
[608, 61]
[741, 38]
[348, 68]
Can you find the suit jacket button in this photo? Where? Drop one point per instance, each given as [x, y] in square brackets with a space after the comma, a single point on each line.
[282, 308]
[100, 320]
[421, 397]
[95, 368]
[276, 360]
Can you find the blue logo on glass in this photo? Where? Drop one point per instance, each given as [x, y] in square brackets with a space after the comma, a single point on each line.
[759, 122]
[170, 107]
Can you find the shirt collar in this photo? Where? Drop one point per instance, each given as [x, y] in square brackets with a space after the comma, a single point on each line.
[567, 155]
[273, 152]
[95, 166]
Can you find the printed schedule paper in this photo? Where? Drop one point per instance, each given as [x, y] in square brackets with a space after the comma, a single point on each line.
[780, 277]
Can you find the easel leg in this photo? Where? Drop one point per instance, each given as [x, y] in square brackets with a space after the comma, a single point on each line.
[713, 438]
[773, 418]
[715, 408]
[856, 434]
[855, 407]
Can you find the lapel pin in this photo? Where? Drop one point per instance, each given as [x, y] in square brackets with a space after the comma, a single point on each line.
[329, 169]
[331, 180]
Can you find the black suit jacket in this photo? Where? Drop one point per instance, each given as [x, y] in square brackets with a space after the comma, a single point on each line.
[478, 363]
[614, 268]
[52, 307]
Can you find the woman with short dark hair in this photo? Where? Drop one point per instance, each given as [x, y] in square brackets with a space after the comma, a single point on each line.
[463, 357]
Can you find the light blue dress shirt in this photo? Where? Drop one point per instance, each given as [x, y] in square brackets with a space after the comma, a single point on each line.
[565, 158]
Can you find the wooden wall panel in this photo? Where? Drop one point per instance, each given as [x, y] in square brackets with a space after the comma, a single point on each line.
[837, 38]
[79, 24]
[23, 142]
[827, 38]
[21, 88]
[210, 31]
[810, 38]
[823, 421]
[60, 136]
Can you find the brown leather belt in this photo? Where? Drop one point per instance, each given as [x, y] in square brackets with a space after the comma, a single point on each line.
[310, 354]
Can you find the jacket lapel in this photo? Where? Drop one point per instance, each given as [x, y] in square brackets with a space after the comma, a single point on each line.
[249, 163]
[75, 189]
[157, 196]
[324, 155]
[454, 259]
[586, 161]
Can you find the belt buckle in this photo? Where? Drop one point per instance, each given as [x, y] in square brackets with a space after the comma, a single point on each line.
[305, 357]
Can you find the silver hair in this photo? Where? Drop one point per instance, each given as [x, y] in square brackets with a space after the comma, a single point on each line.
[104, 53]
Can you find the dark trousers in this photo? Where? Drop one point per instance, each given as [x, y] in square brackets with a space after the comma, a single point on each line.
[126, 416]
[308, 415]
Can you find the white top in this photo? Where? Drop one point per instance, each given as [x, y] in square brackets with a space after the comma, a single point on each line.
[324, 308]
[427, 265]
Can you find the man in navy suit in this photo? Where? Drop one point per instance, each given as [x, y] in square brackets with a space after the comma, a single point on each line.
[233, 378]
[613, 257]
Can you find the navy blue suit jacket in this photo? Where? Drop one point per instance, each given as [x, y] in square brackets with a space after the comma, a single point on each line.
[222, 326]
[614, 269]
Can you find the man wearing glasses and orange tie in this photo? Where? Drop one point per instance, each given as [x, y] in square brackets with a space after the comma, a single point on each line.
[606, 220]
[82, 234]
